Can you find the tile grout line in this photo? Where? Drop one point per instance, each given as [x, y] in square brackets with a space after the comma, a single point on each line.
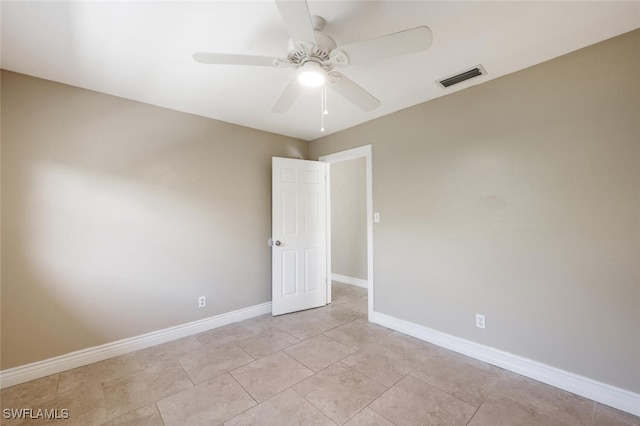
[375, 411]
[441, 390]
[309, 402]
[155, 405]
[164, 397]
[247, 392]
[475, 412]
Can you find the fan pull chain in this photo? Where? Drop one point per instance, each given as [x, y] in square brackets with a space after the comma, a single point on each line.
[323, 106]
[322, 109]
[324, 91]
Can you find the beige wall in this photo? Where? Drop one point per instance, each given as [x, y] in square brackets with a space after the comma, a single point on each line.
[349, 218]
[118, 215]
[519, 199]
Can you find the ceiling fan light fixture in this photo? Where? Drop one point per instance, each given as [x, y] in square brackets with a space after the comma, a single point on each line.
[311, 74]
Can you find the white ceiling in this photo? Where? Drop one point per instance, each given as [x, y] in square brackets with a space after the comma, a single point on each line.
[142, 50]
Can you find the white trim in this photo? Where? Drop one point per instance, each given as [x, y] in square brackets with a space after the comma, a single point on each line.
[350, 154]
[601, 392]
[350, 280]
[36, 370]
[328, 228]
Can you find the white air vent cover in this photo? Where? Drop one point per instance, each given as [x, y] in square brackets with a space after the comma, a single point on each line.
[465, 75]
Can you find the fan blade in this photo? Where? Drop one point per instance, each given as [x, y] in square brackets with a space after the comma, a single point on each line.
[298, 20]
[287, 98]
[400, 43]
[352, 92]
[231, 59]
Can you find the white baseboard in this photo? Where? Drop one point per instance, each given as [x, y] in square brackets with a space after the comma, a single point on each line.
[350, 280]
[36, 370]
[601, 392]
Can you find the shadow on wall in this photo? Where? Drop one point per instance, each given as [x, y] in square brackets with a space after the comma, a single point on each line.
[118, 215]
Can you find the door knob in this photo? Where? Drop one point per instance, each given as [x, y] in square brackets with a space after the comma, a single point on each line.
[278, 243]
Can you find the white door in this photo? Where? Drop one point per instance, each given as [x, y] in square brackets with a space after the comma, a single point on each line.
[299, 235]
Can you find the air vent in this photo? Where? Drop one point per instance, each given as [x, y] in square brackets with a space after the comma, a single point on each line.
[463, 76]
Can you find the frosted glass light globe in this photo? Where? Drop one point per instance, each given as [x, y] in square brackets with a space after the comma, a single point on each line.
[311, 74]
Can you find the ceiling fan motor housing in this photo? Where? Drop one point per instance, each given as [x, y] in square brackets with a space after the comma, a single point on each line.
[301, 52]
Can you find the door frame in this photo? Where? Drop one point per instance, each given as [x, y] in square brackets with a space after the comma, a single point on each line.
[351, 154]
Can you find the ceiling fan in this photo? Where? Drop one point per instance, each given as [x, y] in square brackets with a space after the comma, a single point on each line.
[315, 55]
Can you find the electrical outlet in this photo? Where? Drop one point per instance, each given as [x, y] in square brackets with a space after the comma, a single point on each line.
[376, 217]
[480, 320]
[202, 301]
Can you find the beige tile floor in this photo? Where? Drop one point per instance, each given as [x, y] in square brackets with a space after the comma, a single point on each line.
[324, 366]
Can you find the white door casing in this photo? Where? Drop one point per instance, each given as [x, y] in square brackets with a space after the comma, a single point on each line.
[366, 152]
[299, 235]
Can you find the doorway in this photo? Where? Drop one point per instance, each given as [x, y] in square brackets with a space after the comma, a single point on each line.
[360, 153]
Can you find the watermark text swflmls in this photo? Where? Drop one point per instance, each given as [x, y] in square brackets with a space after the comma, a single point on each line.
[36, 413]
